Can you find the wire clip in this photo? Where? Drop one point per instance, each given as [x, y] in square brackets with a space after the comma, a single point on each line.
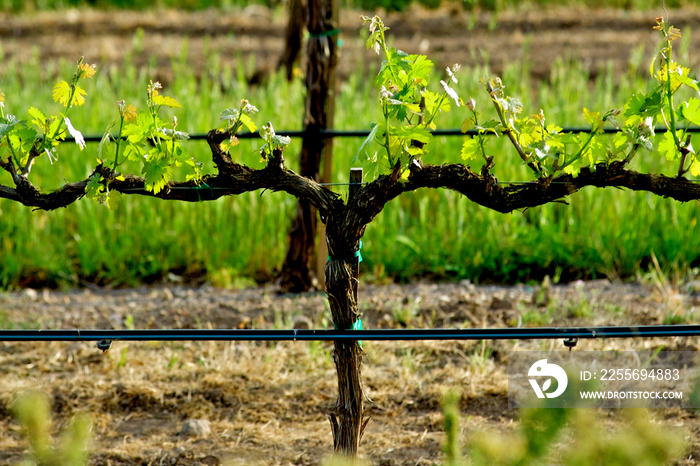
[570, 342]
[104, 345]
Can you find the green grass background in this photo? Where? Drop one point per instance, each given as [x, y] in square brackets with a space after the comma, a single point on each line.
[436, 233]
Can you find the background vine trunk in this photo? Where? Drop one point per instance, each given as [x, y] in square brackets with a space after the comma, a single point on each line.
[321, 19]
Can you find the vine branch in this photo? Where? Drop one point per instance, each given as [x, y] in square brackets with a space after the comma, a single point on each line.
[232, 179]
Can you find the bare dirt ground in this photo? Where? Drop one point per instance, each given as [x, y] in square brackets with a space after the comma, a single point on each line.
[266, 402]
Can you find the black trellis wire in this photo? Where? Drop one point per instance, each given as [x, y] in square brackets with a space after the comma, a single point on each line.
[570, 335]
[542, 333]
[334, 133]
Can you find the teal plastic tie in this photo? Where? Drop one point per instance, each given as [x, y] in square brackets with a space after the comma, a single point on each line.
[357, 254]
[356, 326]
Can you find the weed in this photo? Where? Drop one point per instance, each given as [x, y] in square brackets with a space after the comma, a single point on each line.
[33, 412]
[580, 308]
[675, 318]
[403, 315]
[5, 323]
[478, 360]
[122, 357]
[172, 362]
[129, 322]
[452, 444]
[537, 440]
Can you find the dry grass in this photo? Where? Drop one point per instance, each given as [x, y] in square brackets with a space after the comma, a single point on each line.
[267, 402]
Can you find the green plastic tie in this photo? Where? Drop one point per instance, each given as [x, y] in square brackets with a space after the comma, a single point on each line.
[199, 188]
[332, 32]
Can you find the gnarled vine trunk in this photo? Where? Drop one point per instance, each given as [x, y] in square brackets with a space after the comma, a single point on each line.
[343, 233]
[346, 415]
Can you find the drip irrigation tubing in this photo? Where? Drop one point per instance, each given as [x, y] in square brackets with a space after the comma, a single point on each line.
[646, 331]
[333, 133]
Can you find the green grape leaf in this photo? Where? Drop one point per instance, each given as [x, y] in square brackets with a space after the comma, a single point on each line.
[228, 117]
[157, 171]
[113, 199]
[78, 97]
[402, 103]
[61, 92]
[94, 186]
[513, 106]
[572, 169]
[248, 123]
[468, 124]
[15, 142]
[104, 141]
[53, 126]
[415, 151]
[181, 157]
[8, 124]
[431, 103]
[39, 118]
[643, 105]
[27, 136]
[159, 99]
[368, 139]
[493, 126]
[430, 98]
[691, 110]
[621, 142]
[596, 151]
[530, 131]
[554, 129]
[470, 149]
[686, 80]
[680, 76]
[412, 133]
[695, 167]
[421, 68]
[394, 69]
[415, 108]
[594, 118]
[133, 153]
[139, 130]
[667, 147]
[557, 142]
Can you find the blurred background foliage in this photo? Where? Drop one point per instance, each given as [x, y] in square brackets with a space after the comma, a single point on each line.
[427, 234]
[389, 5]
